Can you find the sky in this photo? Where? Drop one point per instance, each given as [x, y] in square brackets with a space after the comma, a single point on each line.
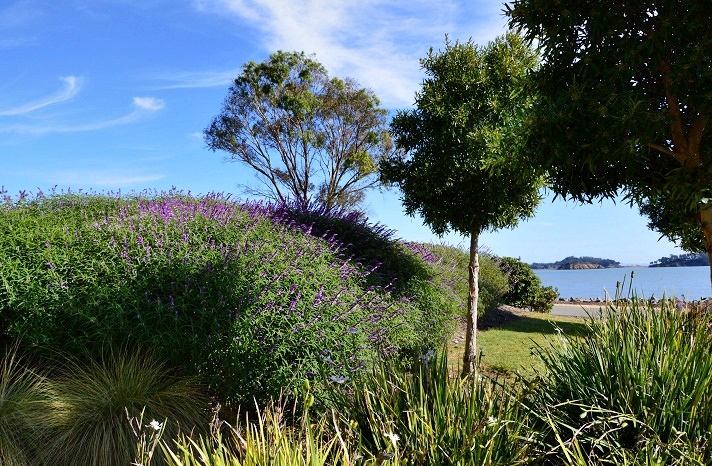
[115, 94]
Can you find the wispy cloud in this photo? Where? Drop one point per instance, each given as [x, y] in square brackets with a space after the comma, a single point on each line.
[142, 107]
[102, 178]
[196, 79]
[377, 42]
[72, 85]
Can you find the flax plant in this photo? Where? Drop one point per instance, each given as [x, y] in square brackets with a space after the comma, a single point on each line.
[636, 388]
[424, 416]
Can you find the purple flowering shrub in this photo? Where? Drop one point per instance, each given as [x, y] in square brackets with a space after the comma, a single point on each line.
[233, 293]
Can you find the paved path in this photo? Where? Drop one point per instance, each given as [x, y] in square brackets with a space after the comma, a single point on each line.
[577, 310]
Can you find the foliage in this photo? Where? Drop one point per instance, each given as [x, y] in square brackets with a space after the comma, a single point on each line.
[307, 136]
[636, 385]
[681, 260]
[237, 294]
[409, 271]
[266, 440]
[544, 300]
[524, 284]
[422, 415]
[451, 262]
[24, 410]
[455, 164]
[624, 101]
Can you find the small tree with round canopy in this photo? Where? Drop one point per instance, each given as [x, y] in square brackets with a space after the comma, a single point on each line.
[456, 163]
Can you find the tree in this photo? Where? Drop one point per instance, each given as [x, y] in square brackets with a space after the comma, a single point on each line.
[307, 136]
[455, 163]
[625, 92]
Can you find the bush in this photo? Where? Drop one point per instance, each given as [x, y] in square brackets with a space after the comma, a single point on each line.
[525, 288]
[247, 297]
[544, 301]
[635, 389]
[452, 265]
[422, 415]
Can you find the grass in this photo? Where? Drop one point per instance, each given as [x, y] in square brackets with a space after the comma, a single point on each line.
[509, 348]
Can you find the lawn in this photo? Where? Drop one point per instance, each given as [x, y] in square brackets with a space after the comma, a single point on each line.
[508, 340]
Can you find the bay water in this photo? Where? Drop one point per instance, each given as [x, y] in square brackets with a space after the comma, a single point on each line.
[693, 282]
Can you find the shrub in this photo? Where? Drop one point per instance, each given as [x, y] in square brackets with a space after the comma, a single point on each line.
[237, 294]
[636, 388]
[544, 301]
[525, 288]
[452, 265]
[523, 283]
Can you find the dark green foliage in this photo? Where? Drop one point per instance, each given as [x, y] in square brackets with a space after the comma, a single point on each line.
[524, 284]
[681, 260]
[636, 385]
[456, 168]
[624, 106]
[525, 288]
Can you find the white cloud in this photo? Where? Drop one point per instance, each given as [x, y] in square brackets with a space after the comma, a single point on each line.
[148, 103]
[377, 42]
[72, 85]
[142, 107]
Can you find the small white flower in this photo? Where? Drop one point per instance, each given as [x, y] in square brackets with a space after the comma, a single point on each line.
[491, 420]
[393, 437]
[155, 425]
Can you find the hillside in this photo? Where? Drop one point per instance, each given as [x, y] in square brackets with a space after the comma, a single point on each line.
[249, 297]
[578, 263]
[682, 260]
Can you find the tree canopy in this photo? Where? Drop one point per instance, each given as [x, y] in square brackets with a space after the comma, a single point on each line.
[307, 136]
[455, 162]
[625, 91]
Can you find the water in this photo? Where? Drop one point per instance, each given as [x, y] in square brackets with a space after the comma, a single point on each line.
[693, 282]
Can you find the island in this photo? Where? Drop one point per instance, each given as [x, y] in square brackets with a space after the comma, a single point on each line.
[577, 263]
[682, 260]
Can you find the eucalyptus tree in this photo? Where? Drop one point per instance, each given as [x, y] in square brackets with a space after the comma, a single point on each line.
[625, 94]
[456, 162]
[307, 136]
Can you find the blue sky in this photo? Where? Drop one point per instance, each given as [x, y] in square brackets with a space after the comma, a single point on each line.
[115, 94]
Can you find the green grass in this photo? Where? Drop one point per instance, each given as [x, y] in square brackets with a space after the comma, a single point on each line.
[510, 347]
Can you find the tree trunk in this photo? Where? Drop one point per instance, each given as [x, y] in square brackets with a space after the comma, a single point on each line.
[470, 359]
[705, 217]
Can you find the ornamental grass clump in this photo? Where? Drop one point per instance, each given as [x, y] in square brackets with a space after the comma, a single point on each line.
[24, 409]
[92, 404]
[635, 388]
